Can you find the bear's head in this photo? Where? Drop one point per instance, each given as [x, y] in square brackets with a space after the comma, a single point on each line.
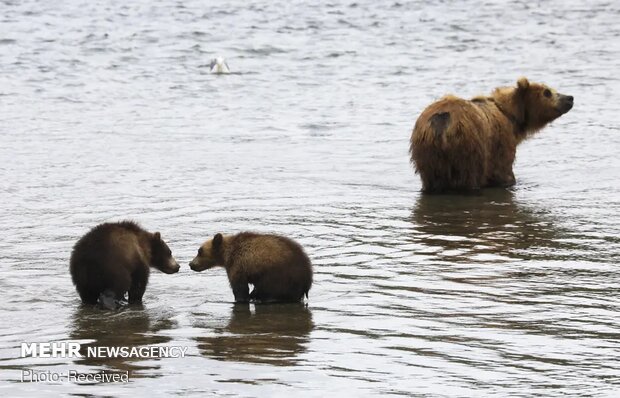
[540, 104]
[210, 254]
[161, 256]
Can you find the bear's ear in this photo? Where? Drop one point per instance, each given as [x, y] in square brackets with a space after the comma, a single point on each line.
[217, 241]
[523, 84]
[157, 236]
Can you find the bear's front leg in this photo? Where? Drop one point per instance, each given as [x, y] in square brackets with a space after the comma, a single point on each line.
[139, 280]
[241, 291]
[136, 292]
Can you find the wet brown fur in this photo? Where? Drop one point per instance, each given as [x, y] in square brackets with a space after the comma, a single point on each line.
[276, 266]
[459, 144]
[116, 257]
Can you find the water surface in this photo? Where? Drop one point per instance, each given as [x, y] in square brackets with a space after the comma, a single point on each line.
[108, 112]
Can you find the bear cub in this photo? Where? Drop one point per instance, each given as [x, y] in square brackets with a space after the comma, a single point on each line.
[277, 267]
[464, 145]
[114, 258]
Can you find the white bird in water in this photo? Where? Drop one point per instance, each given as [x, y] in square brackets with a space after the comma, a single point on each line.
[219, 66]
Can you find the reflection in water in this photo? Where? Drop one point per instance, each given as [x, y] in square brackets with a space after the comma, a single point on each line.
[273, 334]
[466, 227]
[129, 327]
[108, 112]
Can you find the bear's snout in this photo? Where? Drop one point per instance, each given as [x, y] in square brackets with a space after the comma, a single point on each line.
[197, 266]
[565, 103]
[172, 268]
[193, 266]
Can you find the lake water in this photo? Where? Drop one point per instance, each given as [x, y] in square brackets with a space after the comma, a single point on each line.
[108, 111]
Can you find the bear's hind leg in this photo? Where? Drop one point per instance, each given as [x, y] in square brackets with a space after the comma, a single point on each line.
[120, 284]
[260, 296]
[88, 296]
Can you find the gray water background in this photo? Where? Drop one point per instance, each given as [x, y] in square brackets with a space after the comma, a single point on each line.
[108, 111]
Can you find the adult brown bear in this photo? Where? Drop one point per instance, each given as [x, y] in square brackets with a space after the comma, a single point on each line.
[276, 266]
[464, 145]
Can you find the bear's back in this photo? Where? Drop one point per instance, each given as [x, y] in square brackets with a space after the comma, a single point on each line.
[259, 252]
[108, 245]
